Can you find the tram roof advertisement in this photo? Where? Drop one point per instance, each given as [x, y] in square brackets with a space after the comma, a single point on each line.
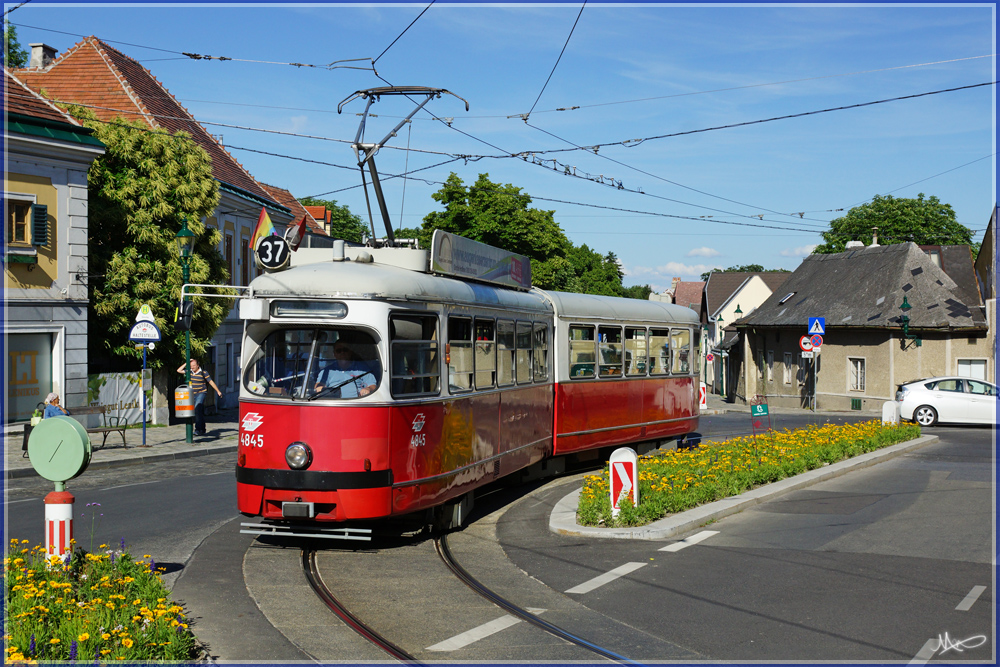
[458, 256]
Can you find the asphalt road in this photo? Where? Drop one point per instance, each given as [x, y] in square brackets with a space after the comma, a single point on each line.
[874, 565]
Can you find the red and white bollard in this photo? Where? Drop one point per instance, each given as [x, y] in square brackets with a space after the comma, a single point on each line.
[58, 522]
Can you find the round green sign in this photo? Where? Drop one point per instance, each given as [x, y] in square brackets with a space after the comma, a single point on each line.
[59, 448]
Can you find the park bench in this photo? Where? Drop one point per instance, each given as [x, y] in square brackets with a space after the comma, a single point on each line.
[110, 425]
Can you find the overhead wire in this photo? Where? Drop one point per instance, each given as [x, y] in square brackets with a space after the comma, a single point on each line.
[16, 7]
[402, 33]
[565, 44]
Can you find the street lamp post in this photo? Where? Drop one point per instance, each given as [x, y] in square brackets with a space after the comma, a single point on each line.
[185, 244]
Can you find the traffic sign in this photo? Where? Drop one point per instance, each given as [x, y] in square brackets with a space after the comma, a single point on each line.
[703, 397]
[817, 325]
[759, 410]
[709, 357]
[145, 314]
[624, 464]
[808, 354]
[806, 344]
[817, 341]
[144, 332]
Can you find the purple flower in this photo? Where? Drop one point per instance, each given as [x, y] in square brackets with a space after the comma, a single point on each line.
[72, 651]
[31, 646]
[97, 654]
[122, 544]
[152, 565]
[93, 504]
[113, 557]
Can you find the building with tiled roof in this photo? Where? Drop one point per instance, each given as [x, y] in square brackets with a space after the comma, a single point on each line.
[47, 157]
[97, 76]
[285, 198]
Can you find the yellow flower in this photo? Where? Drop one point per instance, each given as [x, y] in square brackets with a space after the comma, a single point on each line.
[127, 643]
[84, 637]
[106, 636]
[54, 640]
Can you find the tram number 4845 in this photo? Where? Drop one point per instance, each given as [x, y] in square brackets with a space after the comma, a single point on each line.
[251, 440]
[418, 440]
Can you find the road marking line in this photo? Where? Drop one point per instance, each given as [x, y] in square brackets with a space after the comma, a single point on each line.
[475, 634]
[694, 539]
[970, 599]
[24, 500]
[605, 578]
[927, 652]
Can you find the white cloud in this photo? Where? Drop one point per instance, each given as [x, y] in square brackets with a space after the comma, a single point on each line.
[703, 252]
[802, 251]
[659, 277]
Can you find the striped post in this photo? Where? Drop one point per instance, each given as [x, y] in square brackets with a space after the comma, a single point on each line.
[58, 522]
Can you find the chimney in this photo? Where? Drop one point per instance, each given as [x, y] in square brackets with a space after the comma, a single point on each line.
[874, 238]
[42, 55]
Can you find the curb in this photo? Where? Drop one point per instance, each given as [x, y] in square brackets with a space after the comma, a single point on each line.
[139, 460]
[562, 519]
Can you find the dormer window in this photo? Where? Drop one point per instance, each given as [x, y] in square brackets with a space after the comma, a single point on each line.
[787, 297]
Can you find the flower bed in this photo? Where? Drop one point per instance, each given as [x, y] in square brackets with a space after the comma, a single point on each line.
[675, 480]
[89, 608]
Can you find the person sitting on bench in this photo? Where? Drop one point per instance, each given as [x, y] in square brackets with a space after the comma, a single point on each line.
[52, 407]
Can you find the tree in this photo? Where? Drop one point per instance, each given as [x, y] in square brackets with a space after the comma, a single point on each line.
[923, 221]
[343, 224]
[743, 268]
[13, 55]
[637, 292]
[140, 190]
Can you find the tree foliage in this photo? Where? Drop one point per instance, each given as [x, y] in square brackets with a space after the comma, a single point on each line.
[140, 190]
[923, 221]
[742, 268]
[13, 55]
[343, 223]
[501, 216]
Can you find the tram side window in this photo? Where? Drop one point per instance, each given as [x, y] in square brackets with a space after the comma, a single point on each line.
[459, 354]
[506, 352]
[636, 362]
[659, 351]
[680, 341]
[413, 350]
[541, 340]
[486, 360]
[581, 351]
[609, 342]
[523, 352]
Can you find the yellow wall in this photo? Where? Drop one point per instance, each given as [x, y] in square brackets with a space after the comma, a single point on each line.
[41, 275]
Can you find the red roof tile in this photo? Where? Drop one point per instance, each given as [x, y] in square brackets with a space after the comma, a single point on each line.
[285, 198]
[20, 99]
[115, 86]
[688, 294]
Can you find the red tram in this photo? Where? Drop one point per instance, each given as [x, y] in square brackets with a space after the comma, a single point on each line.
[373, 387]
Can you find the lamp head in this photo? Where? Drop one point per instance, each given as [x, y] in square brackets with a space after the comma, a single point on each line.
[185, 239]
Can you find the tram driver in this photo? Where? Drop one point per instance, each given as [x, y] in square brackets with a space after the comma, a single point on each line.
[348, 375]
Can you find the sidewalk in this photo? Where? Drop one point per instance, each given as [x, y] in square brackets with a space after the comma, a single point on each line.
[163, 443]
[717, 406]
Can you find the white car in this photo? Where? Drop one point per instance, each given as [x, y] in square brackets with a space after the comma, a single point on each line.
[948, 399]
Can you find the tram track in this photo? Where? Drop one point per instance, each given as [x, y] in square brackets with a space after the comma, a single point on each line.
[444, 552]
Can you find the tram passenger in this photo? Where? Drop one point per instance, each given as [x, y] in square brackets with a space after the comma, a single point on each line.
[336, 378]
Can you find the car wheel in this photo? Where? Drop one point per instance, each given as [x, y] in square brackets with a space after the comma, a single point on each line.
[925, 415]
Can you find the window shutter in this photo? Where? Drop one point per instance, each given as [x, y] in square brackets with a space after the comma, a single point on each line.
[39, 224]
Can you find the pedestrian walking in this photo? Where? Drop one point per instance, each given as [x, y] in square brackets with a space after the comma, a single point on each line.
[52, 407]
[200, 382]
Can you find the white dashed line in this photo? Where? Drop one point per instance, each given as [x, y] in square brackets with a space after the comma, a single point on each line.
[608, 577]
[926, 653]
[694, 539]
[481, 632]
[970, 599]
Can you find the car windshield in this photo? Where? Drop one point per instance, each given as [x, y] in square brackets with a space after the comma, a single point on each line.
[311, 363]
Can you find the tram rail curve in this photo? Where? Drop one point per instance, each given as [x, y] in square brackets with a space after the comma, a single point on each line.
[316, 582]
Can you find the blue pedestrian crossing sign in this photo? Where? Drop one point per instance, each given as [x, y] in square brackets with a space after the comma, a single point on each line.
[817, 325]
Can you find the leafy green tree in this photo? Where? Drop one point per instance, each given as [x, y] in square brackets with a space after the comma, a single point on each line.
[743, 268]
[923, 221]
[343, 224]
[13, 55]
[637, 292]
[139, 192]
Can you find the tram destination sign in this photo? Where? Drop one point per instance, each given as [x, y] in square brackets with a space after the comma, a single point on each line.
[457, 256]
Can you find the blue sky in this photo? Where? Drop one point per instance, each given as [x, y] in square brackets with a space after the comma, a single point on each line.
[634, 71]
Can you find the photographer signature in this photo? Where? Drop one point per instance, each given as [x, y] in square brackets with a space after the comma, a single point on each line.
[946, 643]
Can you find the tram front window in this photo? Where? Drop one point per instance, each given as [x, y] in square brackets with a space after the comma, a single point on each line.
[312, 363]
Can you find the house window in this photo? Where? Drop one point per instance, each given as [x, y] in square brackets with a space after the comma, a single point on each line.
[856, 373]
[18, 223]
[245, 261]
[788, 367]
[972, 368]
[229, 259]
[770, 365]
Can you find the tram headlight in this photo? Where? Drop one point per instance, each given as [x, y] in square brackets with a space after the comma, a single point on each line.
[298, 456]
